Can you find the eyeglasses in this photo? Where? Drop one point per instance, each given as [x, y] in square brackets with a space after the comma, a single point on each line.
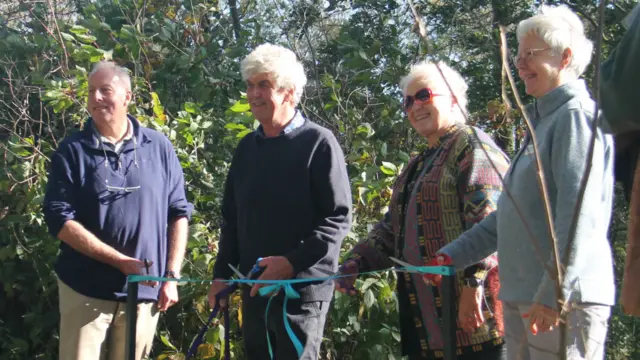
[127, 189]
[120, 189]
[528, 54]
[423, 95]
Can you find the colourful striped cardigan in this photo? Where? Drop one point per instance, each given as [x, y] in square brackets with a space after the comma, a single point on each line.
[442, 192]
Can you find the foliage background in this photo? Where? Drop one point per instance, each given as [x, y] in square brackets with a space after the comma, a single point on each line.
[184, 56]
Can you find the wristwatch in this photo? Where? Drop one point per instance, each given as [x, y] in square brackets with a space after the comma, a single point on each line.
[473, 282]
[171, 274]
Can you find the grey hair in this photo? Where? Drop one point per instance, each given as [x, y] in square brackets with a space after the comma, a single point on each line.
[426, 70]
[121, 72]
[561, 29]
[281, 63]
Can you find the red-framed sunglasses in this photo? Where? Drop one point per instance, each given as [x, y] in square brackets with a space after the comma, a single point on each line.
[424, 95]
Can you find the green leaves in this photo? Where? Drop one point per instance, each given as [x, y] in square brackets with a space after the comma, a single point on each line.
[87, 39]
[366, 130]
[158, 109]
[79, 30]
[389, 168]
[67, 37]
[192, 108]
[369, 299]
[240, 106]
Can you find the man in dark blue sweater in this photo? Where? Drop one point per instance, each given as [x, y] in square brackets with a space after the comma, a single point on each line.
[287, 200]
[116, 200]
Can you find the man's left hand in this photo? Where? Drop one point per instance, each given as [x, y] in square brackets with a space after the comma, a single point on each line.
[275, 268]
[168, 295]
[542, 318]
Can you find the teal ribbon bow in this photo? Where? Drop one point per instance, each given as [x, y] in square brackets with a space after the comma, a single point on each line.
[289, 293]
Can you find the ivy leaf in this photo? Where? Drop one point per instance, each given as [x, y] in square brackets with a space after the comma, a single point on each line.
[383, 149]
[87, 39]
[240, 107]
[365, 128]
[369, 298]
[367, 283]
[243, 133]
[363, 54]
[191, 108]
[67, 36]
[166, 342]
[234, 126]
[388, 168]
[79, 30]
[403, 156]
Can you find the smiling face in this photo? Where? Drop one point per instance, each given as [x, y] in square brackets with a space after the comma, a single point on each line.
[108, 97]
[430, 118]
[269, 105]
[539, 68]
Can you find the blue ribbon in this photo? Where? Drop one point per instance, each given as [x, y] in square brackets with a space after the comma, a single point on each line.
[437, 270]
[289, 293]
[274, 286]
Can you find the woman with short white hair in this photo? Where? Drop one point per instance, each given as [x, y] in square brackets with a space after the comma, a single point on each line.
[442, 192]
[553, 53]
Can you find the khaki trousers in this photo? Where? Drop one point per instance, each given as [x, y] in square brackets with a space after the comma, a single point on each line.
[94, 329]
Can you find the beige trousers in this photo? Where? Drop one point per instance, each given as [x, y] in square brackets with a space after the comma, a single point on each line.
[94, 329]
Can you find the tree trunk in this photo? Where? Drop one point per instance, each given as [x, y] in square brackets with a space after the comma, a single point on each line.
[235, 17]
[504, 134]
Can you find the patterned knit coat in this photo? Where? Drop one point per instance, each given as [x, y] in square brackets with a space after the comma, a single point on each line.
[442, 192]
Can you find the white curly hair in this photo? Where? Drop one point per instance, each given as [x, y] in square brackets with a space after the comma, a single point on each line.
[428, 71]
[561, 29]
[281, 63]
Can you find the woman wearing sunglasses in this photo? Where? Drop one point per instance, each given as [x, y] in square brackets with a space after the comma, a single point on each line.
[553, 53]
[443, 191]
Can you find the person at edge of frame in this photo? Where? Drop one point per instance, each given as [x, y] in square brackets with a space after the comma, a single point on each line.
[619, 87]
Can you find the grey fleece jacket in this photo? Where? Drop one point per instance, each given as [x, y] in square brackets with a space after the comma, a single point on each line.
[562, 120]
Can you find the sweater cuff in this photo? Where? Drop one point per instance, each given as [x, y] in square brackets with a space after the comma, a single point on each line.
[298, 261]
[221, 271]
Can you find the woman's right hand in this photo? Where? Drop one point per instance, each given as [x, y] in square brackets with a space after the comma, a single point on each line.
[345, 284]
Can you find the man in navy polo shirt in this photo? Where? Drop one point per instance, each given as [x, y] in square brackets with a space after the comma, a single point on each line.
[115, 198]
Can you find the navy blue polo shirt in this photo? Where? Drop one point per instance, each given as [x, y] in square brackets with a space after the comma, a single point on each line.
[124, 198]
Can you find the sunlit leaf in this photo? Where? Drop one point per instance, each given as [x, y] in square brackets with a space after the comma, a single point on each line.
[369, 298]
[240, 107]
[166, 342]
[79, 30]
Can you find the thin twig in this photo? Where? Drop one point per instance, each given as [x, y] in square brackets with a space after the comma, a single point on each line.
[55, 22]
[25, 141]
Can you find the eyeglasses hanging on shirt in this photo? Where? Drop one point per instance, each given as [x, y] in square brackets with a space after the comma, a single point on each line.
[116, 189]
